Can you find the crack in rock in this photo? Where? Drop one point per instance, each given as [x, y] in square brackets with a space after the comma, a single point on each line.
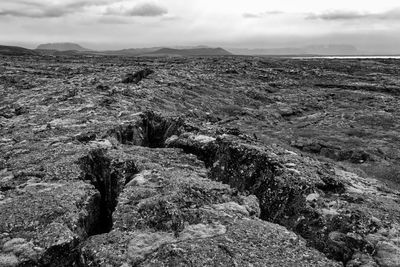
[151, 130]
[283, 195]
[109, 176]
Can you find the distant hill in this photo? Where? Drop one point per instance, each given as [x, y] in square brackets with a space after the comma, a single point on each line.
[130, 51]
[62, 47]
[16, 51]
[328, 50]
[192, 52]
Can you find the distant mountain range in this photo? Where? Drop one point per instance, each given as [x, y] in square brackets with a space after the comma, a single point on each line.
[76, 49]
[208, 51]
[72, 48]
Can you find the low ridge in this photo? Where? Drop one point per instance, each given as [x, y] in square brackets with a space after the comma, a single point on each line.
[15, 51]
[194, 52]
[62, 47]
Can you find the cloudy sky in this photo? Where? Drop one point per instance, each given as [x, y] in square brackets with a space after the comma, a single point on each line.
[113, 24]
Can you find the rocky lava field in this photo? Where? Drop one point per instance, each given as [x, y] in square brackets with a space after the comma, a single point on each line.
[199, 161]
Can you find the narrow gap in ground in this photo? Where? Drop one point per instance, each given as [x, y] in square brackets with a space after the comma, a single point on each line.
[150, 131]
[281, 202]
[109, 178]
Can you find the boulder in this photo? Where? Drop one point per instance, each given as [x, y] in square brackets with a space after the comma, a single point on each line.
[137, 76]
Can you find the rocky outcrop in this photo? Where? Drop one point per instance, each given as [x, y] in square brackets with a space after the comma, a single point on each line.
[42, 223]
[334, 210]
[173, 214]
[140, 205]
[137, 76]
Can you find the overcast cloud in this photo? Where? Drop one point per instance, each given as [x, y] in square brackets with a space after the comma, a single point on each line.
[393, 14]
[147, 10]
[114, 24]
[139, 10]
[262, 14]
[47, 9]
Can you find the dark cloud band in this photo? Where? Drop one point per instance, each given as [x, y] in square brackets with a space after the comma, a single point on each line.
[147, 10]
[393, 14]
[140, 10]
[36, 9]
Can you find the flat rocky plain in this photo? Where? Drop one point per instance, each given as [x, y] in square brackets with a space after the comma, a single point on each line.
[208, 161]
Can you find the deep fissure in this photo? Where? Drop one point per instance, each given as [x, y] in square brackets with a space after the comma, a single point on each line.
[150, 131]
[248, 171]
[109, 178]
[245, 170]
[280, 202]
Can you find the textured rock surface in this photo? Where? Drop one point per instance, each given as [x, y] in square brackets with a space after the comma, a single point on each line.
[278, 163]
[334, 210]
[173, 215]
[44, 222]
[137, 76]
